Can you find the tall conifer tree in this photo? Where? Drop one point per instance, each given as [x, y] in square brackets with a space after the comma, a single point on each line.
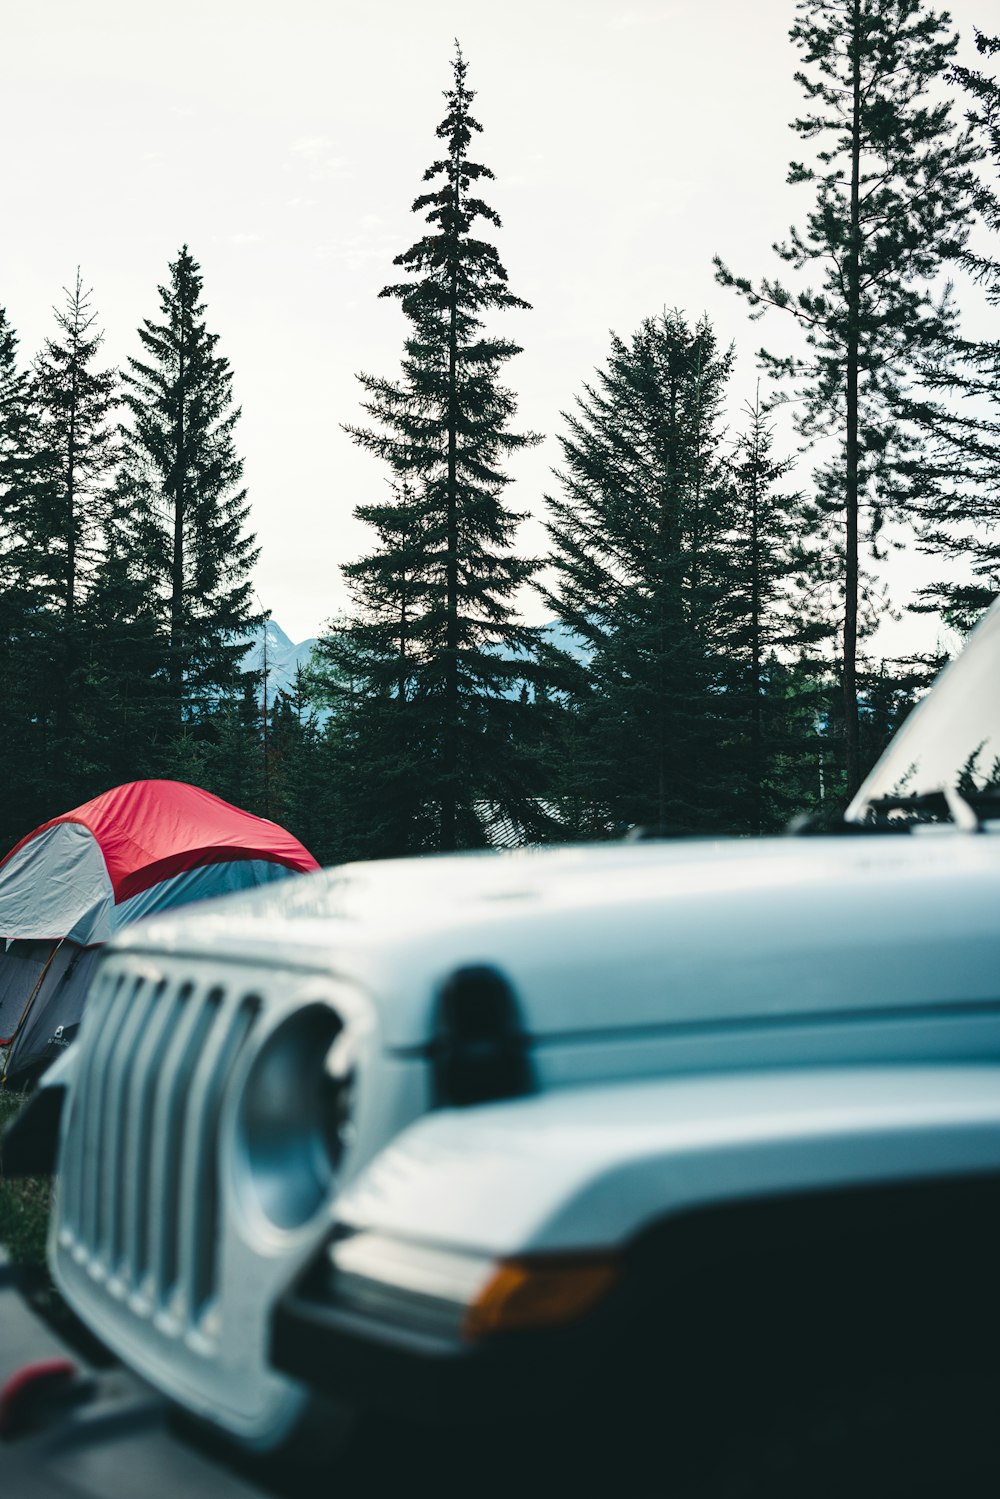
[24, 655]
[76, 403]
[373, 667]
[954, 488]
[72, 493]
[122, 657]
[432, 650]
[182, 496]
[772, 633]
[639, 538]
[891, 184]
[15, 425]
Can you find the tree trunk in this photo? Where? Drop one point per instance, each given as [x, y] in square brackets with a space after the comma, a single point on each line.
[63, 699]
[756, 733]
[852, 754]
[667, 616]
[177, 567]
[449, 757]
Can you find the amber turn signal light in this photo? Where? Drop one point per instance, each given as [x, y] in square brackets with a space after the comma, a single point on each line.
[524, 1294]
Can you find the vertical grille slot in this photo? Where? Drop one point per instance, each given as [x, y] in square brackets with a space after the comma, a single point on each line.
[143, 1015]
[71, 1176]
[169, 1116]
[199, 1196]
[93, 1163]
[136, 1211]
[108, 1233]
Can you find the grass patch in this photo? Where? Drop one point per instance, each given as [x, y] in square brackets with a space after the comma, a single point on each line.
[24, 1203]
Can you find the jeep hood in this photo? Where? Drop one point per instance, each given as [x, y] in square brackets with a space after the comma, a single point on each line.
[625, 938]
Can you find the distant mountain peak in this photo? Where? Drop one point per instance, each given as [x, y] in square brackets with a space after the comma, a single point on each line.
[284, 657]
[276, 637]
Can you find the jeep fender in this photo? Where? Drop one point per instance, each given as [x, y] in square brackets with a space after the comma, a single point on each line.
[590, 1168]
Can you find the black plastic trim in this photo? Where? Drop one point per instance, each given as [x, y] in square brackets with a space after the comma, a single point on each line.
[480, 1052]
[732, 1286]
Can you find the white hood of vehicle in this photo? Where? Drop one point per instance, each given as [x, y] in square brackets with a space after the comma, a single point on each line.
[618, 937]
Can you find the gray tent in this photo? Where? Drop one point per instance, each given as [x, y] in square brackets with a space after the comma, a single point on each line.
[72, 883]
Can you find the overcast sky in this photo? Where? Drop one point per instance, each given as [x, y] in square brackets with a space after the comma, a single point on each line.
[285, 144]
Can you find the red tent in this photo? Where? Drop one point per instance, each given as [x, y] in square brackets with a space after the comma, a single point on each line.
[73, 882]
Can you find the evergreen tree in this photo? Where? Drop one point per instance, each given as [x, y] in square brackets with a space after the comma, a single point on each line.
[390, 594]
[65, 524]
[23, 660]
[953, 488]
[300, 787]
[126, 689]
[235, 757]
[55, 457]
[15, 426]
[639, 541]
[76, 403]
[181, 486]
[435, 645]
[773, 631]
[383, 803]
[372, 667]
[891, 185]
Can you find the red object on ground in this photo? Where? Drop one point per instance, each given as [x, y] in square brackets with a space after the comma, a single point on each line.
[173, 827]
[27, 1385]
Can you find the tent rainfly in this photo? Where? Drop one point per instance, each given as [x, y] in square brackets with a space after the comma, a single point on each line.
[75, 881]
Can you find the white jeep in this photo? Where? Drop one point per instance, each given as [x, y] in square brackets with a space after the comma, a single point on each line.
[462, 1133]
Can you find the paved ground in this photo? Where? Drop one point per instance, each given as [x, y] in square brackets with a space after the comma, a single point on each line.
[115, 1444]
[107, 1436]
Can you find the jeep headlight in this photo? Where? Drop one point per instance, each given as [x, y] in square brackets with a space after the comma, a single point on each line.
[294, 1118]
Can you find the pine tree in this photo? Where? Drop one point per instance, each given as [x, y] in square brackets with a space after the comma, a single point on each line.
[15, 425]
[76, 456]
[235, 758]
[76, 405]
[639, 541]
[300, 788]
[181, 485]
[772, 632]
[390, 594]
[435, 645]
[24, 660]
[373, 666]
[953, 488]
[121, 661]
[891, 184]
[55, 459]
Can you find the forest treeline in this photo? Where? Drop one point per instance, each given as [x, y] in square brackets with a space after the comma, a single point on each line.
[706, 668]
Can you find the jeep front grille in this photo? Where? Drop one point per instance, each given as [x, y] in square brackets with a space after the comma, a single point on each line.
[140, 1195]
[195, 1169]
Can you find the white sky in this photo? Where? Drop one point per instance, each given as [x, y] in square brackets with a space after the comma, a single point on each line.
[286, 143]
